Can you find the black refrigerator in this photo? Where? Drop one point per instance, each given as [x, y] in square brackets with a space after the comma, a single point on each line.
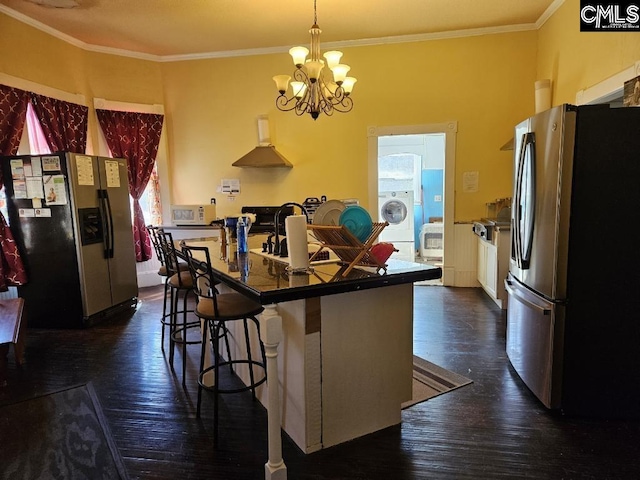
[573, 317]
[70, 217]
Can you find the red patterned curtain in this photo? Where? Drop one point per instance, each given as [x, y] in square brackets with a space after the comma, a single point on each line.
[134, 136]
[13, 113]
[64, 124]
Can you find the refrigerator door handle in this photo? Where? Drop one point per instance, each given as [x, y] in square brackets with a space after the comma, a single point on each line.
[105, 211]
[508, 286]
[517, 211]
[110, 219]
[522, 246]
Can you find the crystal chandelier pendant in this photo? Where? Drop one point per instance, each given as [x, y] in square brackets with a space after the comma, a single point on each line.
[318, 86]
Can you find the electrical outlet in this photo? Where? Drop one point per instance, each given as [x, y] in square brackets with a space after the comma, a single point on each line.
[437, 198]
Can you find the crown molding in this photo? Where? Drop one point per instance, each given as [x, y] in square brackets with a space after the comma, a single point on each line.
[546, 15]
[473, 32]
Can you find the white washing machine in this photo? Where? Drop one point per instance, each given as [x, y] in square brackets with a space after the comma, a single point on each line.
[397, 209]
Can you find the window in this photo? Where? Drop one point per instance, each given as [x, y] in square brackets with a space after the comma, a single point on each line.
[400, 172]
[150, 201]
[33, 142]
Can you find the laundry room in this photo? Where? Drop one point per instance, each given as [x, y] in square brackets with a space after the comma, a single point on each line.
[411, 194]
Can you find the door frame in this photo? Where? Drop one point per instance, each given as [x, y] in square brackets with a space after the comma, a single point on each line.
[449, 129]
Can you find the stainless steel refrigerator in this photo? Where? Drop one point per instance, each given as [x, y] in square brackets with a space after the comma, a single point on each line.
[573, 317]
[70, 216]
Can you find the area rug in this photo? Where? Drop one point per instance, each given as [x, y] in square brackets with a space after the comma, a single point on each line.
[61, 435]
[430, 380]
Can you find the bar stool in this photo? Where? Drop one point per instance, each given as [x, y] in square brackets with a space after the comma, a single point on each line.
[216, 310]
[180, 284]
[162, 271]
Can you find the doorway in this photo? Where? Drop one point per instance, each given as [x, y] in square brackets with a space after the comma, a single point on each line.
[416, 165]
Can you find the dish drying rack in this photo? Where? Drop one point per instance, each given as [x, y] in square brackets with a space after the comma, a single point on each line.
[349, 249]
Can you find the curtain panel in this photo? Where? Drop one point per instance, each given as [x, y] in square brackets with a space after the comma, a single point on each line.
[64, 124]
[13, 114]
[135, 137]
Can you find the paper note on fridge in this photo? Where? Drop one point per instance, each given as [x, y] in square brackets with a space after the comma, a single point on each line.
[34, 187]
[55, 189]
[84, 166]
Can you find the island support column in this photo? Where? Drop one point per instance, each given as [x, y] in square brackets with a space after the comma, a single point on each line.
[271, 333]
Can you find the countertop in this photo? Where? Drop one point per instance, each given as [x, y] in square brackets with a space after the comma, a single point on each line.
[267, 280]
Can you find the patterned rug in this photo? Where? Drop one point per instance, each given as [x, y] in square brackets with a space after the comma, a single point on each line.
[61, 435]
[430, 380]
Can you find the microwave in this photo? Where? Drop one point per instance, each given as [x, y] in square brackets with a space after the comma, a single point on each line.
[192, 214]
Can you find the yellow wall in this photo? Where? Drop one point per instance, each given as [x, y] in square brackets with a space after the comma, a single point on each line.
[484, 83]
[576, 60]
[35, 56]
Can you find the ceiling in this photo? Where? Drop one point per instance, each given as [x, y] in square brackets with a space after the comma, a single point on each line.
[183, 28]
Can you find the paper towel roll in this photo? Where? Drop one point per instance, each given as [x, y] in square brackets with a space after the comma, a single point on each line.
[543, 95]
[296, 230]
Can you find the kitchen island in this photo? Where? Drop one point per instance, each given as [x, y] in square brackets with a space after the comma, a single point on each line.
[345, 356]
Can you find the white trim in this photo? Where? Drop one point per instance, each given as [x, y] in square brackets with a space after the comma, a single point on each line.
[608, 89]
[29, 86]
[551, 9]
[103, 104]
[71, 40]
[364, 42]
[422, 37]
[450, 130]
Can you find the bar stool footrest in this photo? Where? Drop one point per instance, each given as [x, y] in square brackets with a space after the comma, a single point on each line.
[236, 390]
[178, 337]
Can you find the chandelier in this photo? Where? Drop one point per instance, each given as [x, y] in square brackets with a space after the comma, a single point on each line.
[314, 90]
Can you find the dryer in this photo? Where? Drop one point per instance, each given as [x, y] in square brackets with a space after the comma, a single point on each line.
[397, 209]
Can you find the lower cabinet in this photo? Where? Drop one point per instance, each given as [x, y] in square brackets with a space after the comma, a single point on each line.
[493, 266]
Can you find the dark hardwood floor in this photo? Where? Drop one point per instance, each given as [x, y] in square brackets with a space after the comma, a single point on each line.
[491, 429]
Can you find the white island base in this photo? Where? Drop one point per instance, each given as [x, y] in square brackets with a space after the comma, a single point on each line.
[344, 364]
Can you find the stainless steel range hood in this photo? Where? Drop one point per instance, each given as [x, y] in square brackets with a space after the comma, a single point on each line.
[265, 154]
[508, 146]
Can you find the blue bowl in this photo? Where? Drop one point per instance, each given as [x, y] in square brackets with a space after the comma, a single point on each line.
[358, 221]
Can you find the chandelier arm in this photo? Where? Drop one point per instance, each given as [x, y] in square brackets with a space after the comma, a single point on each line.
[344, 106]
[300, 76]
[285, 104]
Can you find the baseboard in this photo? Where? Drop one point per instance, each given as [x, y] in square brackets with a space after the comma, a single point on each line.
[149, 279]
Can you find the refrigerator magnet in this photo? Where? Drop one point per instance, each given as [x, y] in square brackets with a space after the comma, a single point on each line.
[26, 212]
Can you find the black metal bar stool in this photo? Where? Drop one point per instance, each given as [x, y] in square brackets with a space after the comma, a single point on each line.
[216, 310]
[162, 271]
[180, 284]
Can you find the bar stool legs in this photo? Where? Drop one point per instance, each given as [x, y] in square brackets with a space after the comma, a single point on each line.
[216, 330]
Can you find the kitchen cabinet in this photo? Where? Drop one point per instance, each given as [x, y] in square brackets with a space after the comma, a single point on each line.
[493, 265]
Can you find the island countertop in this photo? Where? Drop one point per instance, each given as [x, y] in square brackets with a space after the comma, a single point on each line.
[326, 331]
[265, 278]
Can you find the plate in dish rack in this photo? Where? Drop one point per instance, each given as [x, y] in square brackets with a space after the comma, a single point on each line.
[328, 213]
